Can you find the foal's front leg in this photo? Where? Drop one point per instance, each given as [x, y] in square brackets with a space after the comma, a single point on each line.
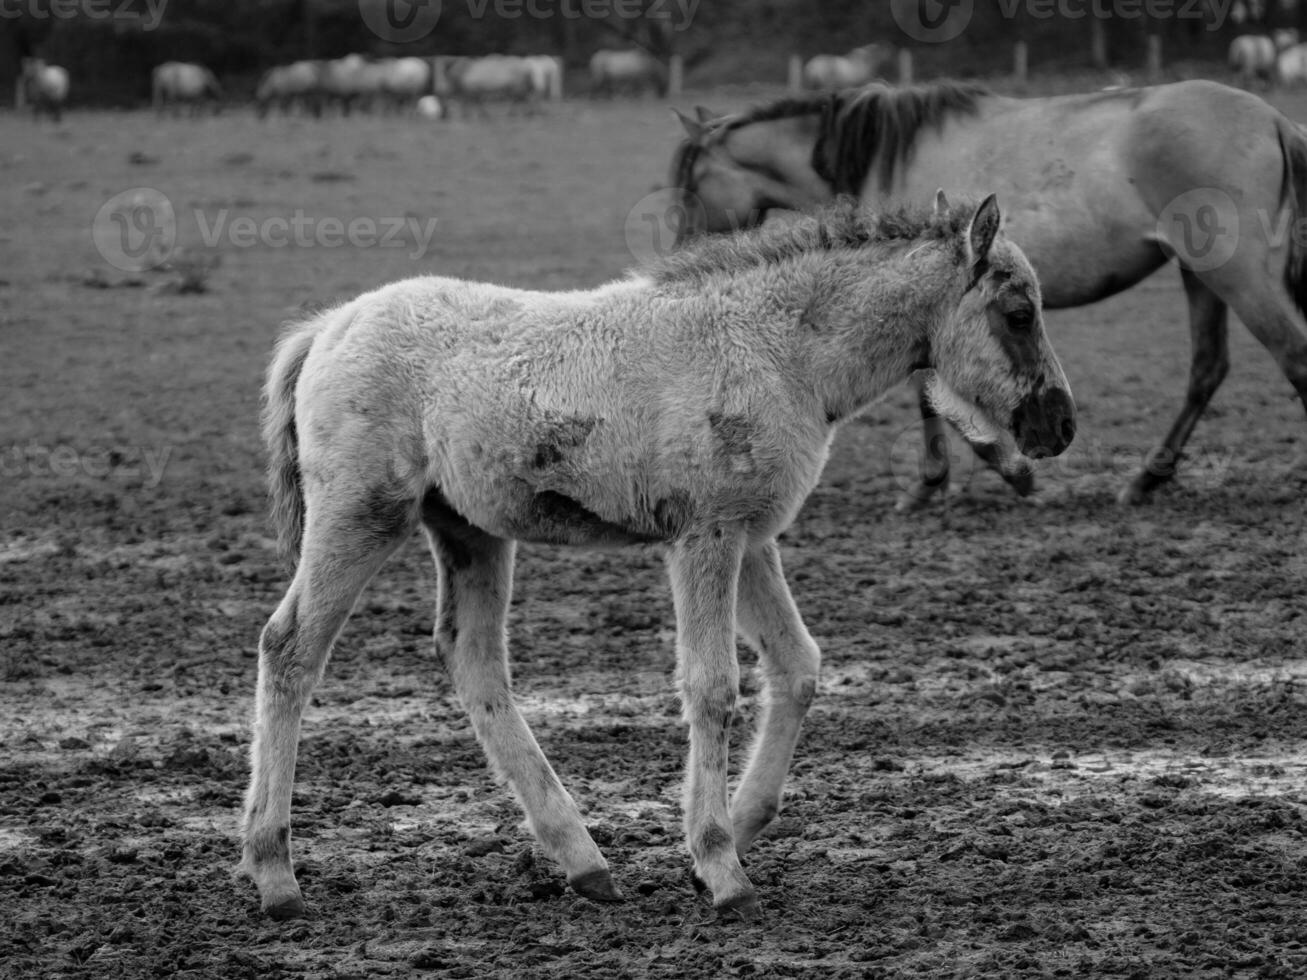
[704, 568]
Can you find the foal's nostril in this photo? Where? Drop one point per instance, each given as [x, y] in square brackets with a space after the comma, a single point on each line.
[1067, 430]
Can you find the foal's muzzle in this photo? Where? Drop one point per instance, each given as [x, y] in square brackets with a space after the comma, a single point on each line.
[1044, 423]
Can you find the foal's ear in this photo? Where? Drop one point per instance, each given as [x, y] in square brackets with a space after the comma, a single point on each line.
[704, 115]
[693, 128]
[941, 203]
[983, 229]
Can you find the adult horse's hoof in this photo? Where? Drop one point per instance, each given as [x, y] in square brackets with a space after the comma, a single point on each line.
[918, 498]
[597, 886]
[1134, 494]
[286, 909]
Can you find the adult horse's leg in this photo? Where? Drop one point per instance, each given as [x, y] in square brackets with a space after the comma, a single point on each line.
[475, 581]
[933, 472]
[704, 569]
[1208, 331]
[789, 659]
[344, 544]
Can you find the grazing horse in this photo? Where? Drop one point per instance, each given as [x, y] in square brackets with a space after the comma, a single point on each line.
[352, 82]
[690, 405]
[1252, 58]
[287, 86]
[178, 83]
[546, 76]
[858, 67]
[1291, 66]
[634, 72]
[404, 81]
[474, 81]
[43, 87]
[1100, 190]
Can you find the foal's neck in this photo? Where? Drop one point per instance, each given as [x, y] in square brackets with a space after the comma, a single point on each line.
[869, 319]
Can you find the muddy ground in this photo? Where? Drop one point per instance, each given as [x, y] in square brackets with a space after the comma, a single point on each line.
[1054, 739]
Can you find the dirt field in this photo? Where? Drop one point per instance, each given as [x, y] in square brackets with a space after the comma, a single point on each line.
[1057, 740]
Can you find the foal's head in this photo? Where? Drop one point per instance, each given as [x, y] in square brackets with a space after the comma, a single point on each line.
[993, 374]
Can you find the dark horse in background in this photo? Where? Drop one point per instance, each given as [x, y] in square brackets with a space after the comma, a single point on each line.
[1100, 190]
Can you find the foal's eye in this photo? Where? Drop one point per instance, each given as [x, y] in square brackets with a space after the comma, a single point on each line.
[1020, 320]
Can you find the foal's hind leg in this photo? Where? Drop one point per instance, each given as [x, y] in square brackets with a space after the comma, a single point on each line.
[475, 581]
[768, 619]
[343, 546]
[1208, 330]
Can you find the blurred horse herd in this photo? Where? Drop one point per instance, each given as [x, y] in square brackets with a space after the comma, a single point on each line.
[432, 86]
[429, 86]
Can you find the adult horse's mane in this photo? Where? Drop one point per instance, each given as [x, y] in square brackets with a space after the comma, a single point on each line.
[878, 126]
[843, 225]
[873, 125]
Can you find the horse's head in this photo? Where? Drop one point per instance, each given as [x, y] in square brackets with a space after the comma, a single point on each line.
[730, 173]
[993, 374]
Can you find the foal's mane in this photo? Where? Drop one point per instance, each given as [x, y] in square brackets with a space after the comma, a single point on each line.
[844, 225]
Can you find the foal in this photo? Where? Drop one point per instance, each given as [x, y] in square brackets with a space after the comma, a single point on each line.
[690, 405]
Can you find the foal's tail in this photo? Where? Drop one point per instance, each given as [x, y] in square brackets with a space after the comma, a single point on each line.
[282, 439]
[1293, 195]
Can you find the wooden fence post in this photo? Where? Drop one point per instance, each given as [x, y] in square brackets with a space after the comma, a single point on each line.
[1021, 62]
[795, 81]
[675, 76]
[1154, 58]
[905, 66]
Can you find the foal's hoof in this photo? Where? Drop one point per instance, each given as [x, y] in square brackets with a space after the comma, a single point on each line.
[285, 909]
[597, 886]
[743, 907]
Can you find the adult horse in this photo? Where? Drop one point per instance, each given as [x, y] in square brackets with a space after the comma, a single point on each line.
[496, 77]
[405, 80]
[179, 83]
[633, 71]
[1252, 58]
[691, 405]
[1100, 190]
[1291, 66]
[287, 86]
[858, 67]
[43, 87]
[353, 82]
[546, 76]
